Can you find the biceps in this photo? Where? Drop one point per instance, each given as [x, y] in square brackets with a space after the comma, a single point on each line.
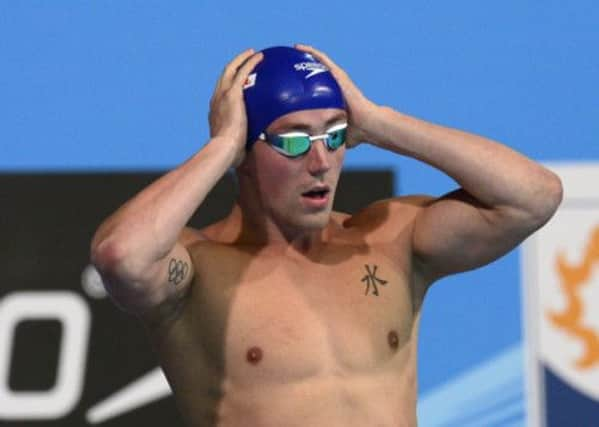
[177, 271]
[457, 233]
[161, 284]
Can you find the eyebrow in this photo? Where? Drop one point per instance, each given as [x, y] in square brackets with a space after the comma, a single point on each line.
[305, 128]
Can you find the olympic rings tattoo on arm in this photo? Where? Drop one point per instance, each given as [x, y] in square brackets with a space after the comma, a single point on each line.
[177, 271]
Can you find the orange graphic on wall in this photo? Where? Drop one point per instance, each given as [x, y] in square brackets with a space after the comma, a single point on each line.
[572, 279]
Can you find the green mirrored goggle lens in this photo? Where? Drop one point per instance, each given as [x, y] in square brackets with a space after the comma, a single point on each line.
[294, 144]
[336, 138]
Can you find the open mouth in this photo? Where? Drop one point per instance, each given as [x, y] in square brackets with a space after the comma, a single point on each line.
[316, 194]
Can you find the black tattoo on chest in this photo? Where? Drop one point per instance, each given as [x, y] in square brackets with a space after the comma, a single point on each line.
[177, 271]
[371, 280]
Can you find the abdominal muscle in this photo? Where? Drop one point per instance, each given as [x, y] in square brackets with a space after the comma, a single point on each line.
[326, 400]
[332, 397]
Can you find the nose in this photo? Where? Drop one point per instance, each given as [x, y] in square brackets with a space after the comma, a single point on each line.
[318, 158]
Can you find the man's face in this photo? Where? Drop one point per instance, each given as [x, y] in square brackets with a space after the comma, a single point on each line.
[298, 192]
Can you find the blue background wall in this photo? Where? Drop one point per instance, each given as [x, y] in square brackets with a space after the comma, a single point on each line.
[107, 85]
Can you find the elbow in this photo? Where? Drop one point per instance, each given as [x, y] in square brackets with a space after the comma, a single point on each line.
[119, 260]
[114, 258]
[108, 256]
[121, 275]
[547, 199]
[554, 194]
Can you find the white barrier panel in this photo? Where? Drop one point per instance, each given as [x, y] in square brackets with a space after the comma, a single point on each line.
[561, 283]
[72, 312]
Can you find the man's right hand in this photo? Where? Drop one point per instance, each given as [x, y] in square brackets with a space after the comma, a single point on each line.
[228, 119]
[139, 250]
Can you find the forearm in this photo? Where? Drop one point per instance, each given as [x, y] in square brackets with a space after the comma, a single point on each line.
[494, 174]
[147, 227]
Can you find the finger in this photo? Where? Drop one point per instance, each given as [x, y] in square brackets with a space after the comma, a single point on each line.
[231, 67]
[310, 49]
[340, 75]
[246, 69]
[319, 55]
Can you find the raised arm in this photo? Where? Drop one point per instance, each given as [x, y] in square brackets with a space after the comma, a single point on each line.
[140, 250]
[503, 198]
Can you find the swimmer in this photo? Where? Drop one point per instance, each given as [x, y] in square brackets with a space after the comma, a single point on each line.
[286, 312]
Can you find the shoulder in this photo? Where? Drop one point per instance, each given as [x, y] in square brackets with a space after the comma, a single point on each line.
[396, 211]
[211, 248]
[386, 222]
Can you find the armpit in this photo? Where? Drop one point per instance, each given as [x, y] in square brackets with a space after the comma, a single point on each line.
[190, 235]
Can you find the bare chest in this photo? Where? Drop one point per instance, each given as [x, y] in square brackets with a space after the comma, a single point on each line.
[279, 320]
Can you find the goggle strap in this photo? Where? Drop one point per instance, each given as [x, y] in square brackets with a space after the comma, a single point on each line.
[335, 128]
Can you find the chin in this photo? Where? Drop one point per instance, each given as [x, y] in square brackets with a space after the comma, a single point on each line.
[314, 222]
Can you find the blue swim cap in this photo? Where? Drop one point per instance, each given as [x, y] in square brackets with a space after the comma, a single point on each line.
[287, 80]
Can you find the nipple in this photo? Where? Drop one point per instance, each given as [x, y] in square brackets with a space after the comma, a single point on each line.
[254, 355]
[393, 340]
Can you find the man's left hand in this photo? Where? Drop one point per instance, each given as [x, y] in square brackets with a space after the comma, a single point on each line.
[361, 111]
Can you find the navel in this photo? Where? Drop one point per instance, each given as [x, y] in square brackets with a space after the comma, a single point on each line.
[393, 340]
[254, 355]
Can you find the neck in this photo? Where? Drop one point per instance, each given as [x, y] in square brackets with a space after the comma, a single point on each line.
[253, 227]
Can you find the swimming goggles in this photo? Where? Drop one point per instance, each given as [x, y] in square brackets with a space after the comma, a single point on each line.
[295, 144]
